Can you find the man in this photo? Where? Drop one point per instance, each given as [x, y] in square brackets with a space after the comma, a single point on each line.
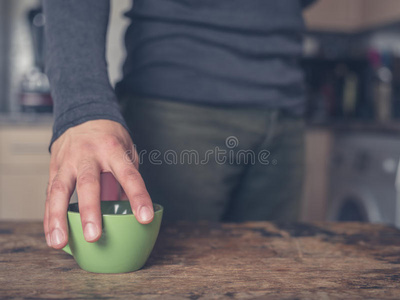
[200, 75]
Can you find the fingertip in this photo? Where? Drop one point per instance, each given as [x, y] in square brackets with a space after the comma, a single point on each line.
[48, 240]
[58, 239]
[146, 215]
[91, 232]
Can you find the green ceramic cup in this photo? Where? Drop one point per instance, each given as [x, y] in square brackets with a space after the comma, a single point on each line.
[125, 244]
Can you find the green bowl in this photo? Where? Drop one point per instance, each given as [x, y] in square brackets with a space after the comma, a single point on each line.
[125, 244]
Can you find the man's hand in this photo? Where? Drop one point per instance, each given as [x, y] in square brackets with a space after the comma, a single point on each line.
[78, 157]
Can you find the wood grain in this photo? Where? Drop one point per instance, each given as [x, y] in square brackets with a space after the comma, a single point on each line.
[225, 261]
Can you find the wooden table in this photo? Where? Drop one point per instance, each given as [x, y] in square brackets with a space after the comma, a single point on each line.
[206, 261]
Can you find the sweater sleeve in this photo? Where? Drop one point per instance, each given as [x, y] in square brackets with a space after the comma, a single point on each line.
[76, 63]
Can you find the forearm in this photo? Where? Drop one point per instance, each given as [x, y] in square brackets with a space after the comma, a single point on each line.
[76, 64]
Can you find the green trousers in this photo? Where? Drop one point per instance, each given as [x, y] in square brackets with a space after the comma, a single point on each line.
[218, 163]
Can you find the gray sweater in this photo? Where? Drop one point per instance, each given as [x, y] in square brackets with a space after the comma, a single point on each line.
[215, 52]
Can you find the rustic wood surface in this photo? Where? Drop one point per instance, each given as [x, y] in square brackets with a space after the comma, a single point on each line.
[207, 261]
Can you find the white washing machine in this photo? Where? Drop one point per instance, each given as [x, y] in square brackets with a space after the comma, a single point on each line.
[363, 172]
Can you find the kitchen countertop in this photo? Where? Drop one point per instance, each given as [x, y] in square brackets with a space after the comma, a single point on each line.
[21, 119]
[212, 260]
[390, 127]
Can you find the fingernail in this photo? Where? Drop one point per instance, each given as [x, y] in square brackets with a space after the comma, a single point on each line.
[57, 237]
[90, 231]
[48, 240]
[145, 214]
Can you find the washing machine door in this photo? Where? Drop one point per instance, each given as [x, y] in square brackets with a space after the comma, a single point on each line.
[362, 178]
[354, 203]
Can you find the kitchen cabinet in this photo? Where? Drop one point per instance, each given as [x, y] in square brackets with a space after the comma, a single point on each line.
[24, 164]
[23, 196]
[351, 16]
[318, 144]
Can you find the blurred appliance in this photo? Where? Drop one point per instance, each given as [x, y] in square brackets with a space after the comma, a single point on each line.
[35, 87]
[364, 168]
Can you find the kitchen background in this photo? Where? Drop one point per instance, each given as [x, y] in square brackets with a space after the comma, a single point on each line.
[352, 64]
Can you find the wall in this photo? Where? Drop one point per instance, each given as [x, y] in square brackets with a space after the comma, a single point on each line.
[376, 12]
[351, 15]
[20, 52]
[16, 53]
[334, 15]
[3, 53]
[115, 38]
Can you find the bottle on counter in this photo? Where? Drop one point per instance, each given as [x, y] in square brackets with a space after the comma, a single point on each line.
[381, 85]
